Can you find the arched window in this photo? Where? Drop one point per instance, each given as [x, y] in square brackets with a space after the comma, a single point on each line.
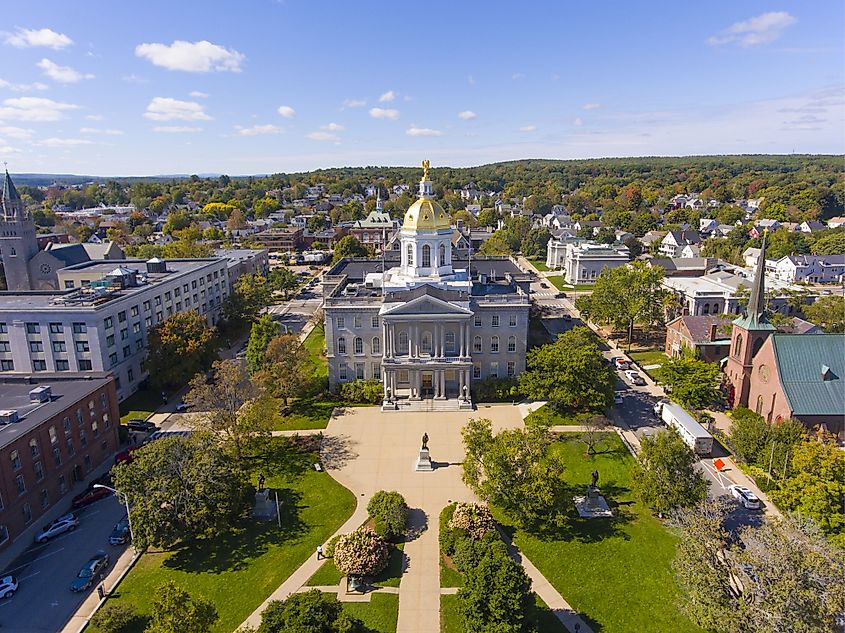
[476, 344]
[403, 342]
[376, 345]
[494, 344]
[759, 408]
[426, 256]
[410, 251]
[738, 345]
[341, 345]
[706, 309]
[511, 343]
[441, 261]
[425, 343]
[359, 345]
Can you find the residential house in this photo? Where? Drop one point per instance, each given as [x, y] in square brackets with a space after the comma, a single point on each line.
[690, 250]
[674, 242]
[811, 268]
[835, 223]
[811, 226]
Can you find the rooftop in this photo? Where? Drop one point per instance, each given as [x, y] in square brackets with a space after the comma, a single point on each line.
[812, 370]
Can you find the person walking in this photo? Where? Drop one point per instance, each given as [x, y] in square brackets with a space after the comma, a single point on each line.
[319, 552]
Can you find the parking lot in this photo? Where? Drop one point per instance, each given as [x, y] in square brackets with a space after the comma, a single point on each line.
[44, 601]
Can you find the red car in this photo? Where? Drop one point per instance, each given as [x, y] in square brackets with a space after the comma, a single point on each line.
[126, 455]
[90, 496]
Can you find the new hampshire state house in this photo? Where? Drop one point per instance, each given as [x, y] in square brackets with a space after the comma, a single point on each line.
[427, 319]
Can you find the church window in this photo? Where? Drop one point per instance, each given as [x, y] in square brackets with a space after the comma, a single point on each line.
[706, 309]
[403, 342]
[410, 251]
[738, 345]
[426, 340]
[376, 345]
[511, 343]
[494, 344]
[359, 345]
[426, 256]
[341, 345]
[759, 408]
[442, 256]
[476, 344]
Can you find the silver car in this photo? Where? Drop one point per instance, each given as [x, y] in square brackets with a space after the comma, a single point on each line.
[66, 523]
[8, 586]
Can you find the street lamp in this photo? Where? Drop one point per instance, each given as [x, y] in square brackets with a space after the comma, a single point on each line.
[126, 503]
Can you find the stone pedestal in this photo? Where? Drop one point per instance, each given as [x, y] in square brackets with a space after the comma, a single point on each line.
[424, 462]
[592, 505]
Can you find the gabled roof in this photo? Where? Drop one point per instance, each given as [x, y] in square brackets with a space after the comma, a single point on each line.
[812, 372]
[70, 254]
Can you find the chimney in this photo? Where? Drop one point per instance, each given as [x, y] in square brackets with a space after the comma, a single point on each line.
[714, 329]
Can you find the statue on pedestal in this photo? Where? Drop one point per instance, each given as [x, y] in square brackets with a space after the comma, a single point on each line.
[465, 393]
[595, 476]
[425, 441]
[388, 394]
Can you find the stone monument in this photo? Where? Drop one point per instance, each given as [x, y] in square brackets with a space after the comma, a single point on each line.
[592, 505]
[424, 460]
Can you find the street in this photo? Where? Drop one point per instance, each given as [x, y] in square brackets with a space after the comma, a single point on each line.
[44, 601]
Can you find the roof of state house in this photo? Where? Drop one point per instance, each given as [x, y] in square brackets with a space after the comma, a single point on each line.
[425, 290]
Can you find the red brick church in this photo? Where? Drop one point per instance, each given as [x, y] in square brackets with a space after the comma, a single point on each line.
[785, 375]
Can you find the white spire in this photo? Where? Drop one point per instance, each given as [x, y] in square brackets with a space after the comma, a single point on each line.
[379, 207]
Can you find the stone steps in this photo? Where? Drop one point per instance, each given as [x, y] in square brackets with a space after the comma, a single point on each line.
[452, 404]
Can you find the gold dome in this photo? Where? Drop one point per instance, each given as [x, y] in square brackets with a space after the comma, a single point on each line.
[426, 215]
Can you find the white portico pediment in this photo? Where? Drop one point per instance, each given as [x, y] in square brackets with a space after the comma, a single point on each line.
[424, 305]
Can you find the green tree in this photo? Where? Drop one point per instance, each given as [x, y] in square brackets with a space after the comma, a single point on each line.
[348, 246]
[516, 471]
[186, 249]
[251, 293]
[534, 243]
[389, 513]
[264, 330]
[308, 612]
[665, 476]
[828, 312]
[496, 596]
[175, 611]
[114, 617]
[181, 488]
[750, 436]
[829, 243]
[283, 279]
[570, 373]
[285, 373]
[625, 296]
[179, 347]
[498, 245]
[694, 383]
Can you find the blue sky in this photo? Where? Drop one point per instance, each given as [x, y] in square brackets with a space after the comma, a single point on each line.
[260, 86]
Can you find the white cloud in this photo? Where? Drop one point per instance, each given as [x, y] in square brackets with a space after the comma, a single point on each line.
[286, 111]
[99, 130]
[467, 115]
[258, 130]
[528, 128]
[64, 142]
[578, 121]
[62, 74]
[323, 136]
[193, 57]
[384, 113]
[422, 131]
[591, 106]
[333, 127]
[761, 29]
[33, 109]
[176, 129]
[387, 97]
[16, 132]
[353, 103]
[8, 149]
[8, 85]
[94, 117]
[168, 109]
[198, 94]
[517, 76]
[135, 79]
[28, 38]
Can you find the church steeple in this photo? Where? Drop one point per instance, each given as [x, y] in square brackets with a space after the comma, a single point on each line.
[379, 207]
[756, 316]
[11, 201]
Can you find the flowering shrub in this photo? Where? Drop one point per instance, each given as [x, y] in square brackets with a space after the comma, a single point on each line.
[361, 553]
[474, 518]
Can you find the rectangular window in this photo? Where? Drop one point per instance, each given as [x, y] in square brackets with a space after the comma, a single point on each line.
[80, 328]
[194, 284]
[21, 484]
[15, 458]
[33, 328]
[376, 346]
[511, 368]
[168, 296]
[36, 346]
[108, 322]
[110, 340]
[4, 329]
[84, 364]
[450, 342]
[359, 371]
[494, 369]
[178, 306]
[62, 365]
[341, 345]
[374, 321]
[39, 365]
[56, 328]
[340, 322]
[136, 328]
[62, 484]
[113, 359]
[177, 292]
[124, 334]
[157, 300]
[139, 345]
[148, 321]
[376, 371]
[5, 347]
[476, 370]
[495, 320]
[57, 456]
[33, 448]
[477, 321]
[83, 440]
[134, 311]
[71, 449]
[59, 346]
[39, 471]
[7, 365]
[356, 320]
[158, 317]
[146, 306]
[27, 513]
[476, 344]
[95, 429]
[127, 351]
[494, 344]
[341, 374]
[185, 288]
[45, 500]
[511, 343]
[512, 320]
[68, 283]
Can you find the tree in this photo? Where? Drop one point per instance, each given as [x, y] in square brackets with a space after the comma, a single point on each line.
[474, 519]
[186, 249]
[665, 476]
[828, 312]
[182, 487]
[283, 279]
[829, 243]
[250, 295]
[496, 596]
[348, 246]
[175, 611]
[179, 347]
[497, 245]
[515, 470]
[264, 330]
[362, 391]
[594, 429]
[534, 243]
[570, 373]
[219, 400]
[114, 617]
[625, 296]
[361, 553]
[750, 436]
[285, 372]
[389, 512]
[694, 383]
[308, 612]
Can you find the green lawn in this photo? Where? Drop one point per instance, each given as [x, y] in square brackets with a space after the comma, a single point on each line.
[307, 413]
[315, 343]
[379, 615]
[238, 571]
[615, 572]
[541, 616]
[328, 574]
[546, 414]
[653, 357]
[141, 404]
[539, 264]
[561, 284]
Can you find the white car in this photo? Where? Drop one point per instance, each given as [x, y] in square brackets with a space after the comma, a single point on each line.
[8, 586]
[634, 377]
[620, 363]
[747, 498]
[66, 523]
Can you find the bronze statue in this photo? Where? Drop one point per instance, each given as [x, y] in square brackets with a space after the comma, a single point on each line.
[425, 165]
[595, 476]
[425, 441]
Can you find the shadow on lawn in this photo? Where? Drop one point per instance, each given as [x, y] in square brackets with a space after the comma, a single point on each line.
[251, 539]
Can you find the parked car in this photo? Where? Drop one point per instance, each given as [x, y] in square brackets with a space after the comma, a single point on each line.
[634, 377]
[745, 496]
[8, 586]
[143, 426]
[617, 398]
[91, 572]
[182, 407]
[126, 455]
[543, 284]
[66, 523]
[90, 496]
[120, 533]
[620, 363]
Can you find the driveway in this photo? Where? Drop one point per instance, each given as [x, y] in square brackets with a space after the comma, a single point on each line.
[44, 601]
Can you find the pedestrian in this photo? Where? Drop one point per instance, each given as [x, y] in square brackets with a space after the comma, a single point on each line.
[319, 552]
[577, 627]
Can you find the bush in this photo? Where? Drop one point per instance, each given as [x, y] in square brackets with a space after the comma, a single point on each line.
[362, 391]
[449, 538]
[469, 552]
[328, 550]
[497, 390]
[361, 553]
[308, 611]
[389, 512]
[473, 518]
[114, 617]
